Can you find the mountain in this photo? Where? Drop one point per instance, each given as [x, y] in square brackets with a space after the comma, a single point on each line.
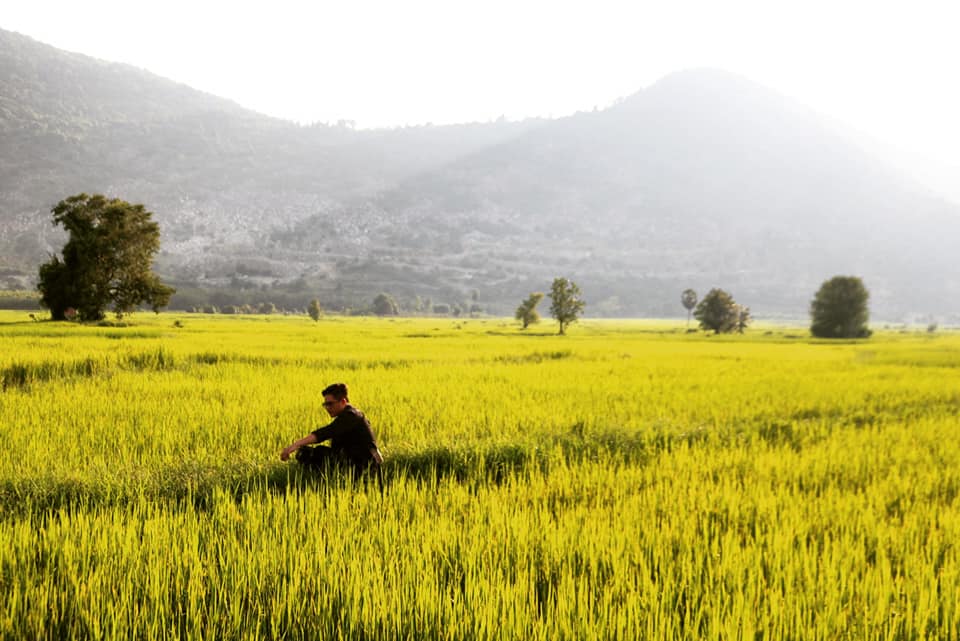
[704, 179]
[219, 178]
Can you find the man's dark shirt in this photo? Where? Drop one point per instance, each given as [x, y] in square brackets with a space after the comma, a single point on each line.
[349, 434]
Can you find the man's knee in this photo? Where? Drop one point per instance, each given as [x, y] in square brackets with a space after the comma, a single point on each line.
[319, 456]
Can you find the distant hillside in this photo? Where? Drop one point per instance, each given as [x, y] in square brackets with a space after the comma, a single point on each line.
[704, 179]
[217, 176]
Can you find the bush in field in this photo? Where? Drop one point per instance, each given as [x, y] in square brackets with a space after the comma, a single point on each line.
[839, 309]
[267, 308]
[314, 309]
[720, 313]
[385, 305]
[107, 259]
[441, 308]
[527, 311]
[566, 304]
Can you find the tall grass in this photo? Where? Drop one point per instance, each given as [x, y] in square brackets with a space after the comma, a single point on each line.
[623, 482]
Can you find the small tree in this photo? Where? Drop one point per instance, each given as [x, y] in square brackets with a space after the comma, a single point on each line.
[267, 308]
[385, 305]
[743, 318]
[107, 259]
[527, 311]
[566, 304]
[689, 300]
[839, 309]
[719, 312]
[314, 309]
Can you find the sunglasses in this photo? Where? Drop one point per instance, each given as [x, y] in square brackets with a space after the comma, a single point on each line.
[330, 403]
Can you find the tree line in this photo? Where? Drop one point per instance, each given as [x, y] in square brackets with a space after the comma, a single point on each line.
[839, 309]
[108, 257]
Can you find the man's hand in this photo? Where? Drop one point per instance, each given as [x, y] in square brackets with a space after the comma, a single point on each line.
[309, 439]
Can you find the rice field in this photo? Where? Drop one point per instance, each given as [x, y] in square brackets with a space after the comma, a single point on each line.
[626, 481]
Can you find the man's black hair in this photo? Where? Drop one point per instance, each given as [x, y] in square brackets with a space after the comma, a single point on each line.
[337, 391]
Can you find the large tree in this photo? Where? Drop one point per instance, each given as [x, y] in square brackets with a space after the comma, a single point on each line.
[527, 311]
[108, 259]
[719, 312]
[839, 309]
[566, 304]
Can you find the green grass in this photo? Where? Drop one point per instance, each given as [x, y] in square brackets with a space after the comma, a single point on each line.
[626, 481]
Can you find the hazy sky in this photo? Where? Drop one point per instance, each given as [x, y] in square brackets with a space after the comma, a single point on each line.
[888, 68]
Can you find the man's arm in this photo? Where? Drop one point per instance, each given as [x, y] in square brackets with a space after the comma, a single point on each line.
[309, 439]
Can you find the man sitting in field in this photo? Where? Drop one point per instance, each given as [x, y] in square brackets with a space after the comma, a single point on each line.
[351, 439]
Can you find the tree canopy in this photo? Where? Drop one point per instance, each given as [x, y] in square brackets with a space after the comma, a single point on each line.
[527, 311]
[385, 305]
[108, 259]
[566, 304]
[839, 309]
[719, 312]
